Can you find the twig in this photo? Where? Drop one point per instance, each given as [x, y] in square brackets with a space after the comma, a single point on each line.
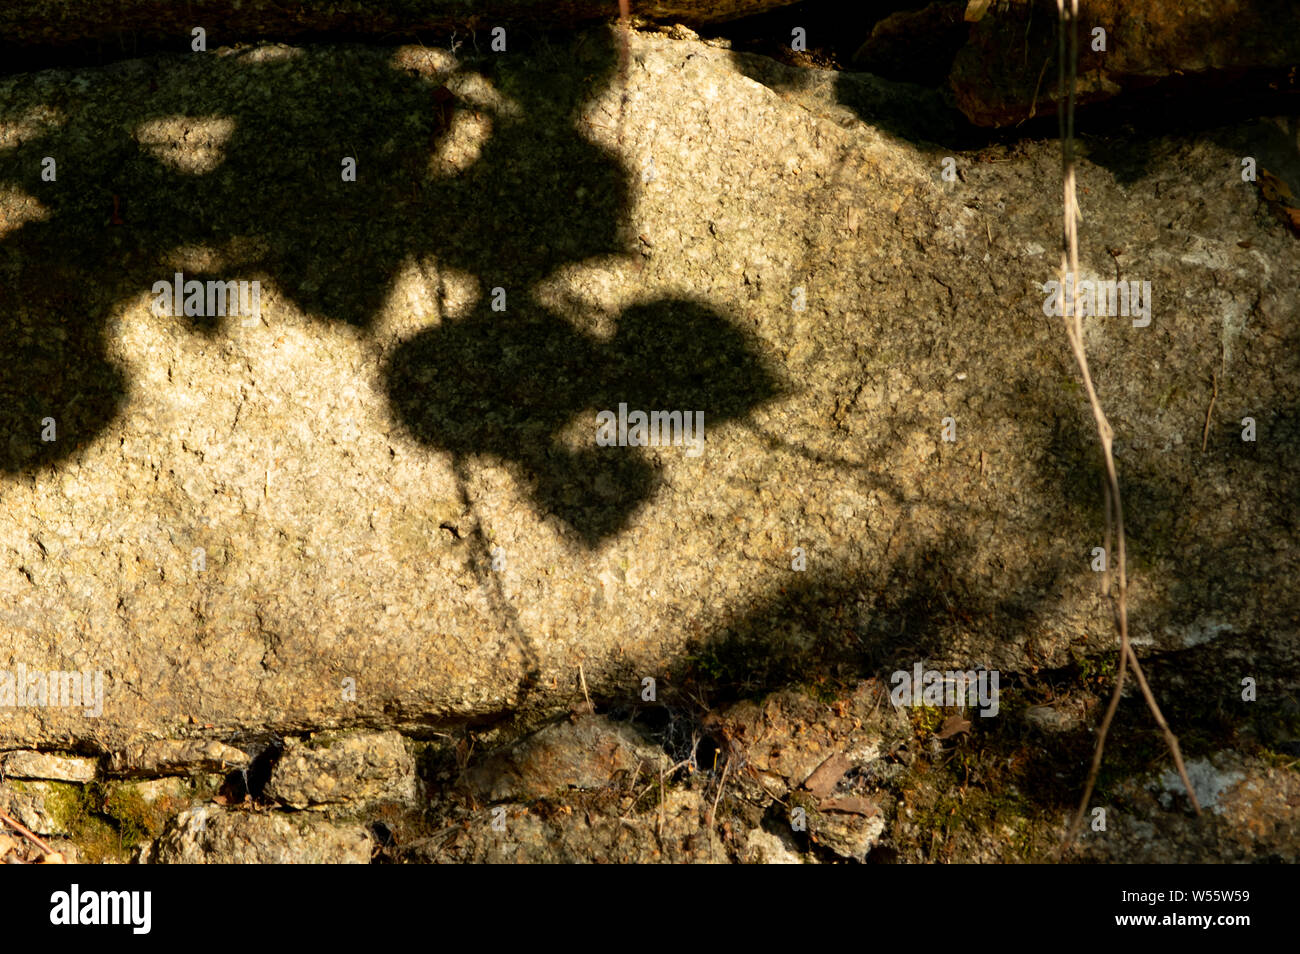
[718, 794]
[641, 793]
[623, 50]
[22, 830]
[1095, 768]
[1215, 374]
[1205, 435]
[1114, 504]
[659, 825]
[714, 808]
[583, 679]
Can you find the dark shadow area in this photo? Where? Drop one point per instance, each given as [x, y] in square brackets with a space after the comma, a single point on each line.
[669, 355]
[272, 201]
[893, 60]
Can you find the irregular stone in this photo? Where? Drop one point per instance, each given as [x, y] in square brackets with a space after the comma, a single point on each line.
[1208, 782]
[178, 757]
[1052, 718]
[850, 836]
[44, 765]
[764, 848]
[588, 753]
[211, 835]
[575, 837]
[1251, 813]
[9, 845]
[47, 808]
[337, 768]
[174, 789]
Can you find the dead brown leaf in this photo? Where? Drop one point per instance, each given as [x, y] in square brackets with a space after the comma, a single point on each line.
[827, 775]
[850, 805]
[953, 725]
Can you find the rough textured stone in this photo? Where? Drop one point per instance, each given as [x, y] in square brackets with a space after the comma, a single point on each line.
[331, 769]
[850, 836]
[41, 806]
[386, 481]
[585, 754]
[576, 837]
[1054, 718]
[178, 757]
[1251, 813]
[212, 835]
[764, 848]
[44, 765]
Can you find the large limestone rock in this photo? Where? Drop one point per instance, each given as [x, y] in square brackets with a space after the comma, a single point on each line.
[381, 502]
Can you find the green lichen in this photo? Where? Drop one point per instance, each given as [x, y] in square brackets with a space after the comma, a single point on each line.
[136, 819]
[66, 803]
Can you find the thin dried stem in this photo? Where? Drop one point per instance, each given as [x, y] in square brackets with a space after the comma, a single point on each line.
[1114, 504]
[625, 36]
[26, 833]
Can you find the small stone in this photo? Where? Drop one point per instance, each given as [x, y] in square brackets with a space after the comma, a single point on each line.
[332, 769]
[586, 754]
[43, 765]
[153, 789]
[764, 848]
[178, 757]
[1051, 719]
[38, 806]
[210, 835]
[848, 835]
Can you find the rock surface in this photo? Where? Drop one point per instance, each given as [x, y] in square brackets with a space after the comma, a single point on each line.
[330, 491]
[214, 836]
[332, 769]
[178, 757]
[40, 806]
[380, 502]
[587, 754]
[44, 765]
[522, 836]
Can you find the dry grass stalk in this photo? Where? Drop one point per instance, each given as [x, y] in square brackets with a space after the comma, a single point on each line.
[1113, 502]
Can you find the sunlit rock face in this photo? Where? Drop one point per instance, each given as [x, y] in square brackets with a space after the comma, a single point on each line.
[380, 498]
